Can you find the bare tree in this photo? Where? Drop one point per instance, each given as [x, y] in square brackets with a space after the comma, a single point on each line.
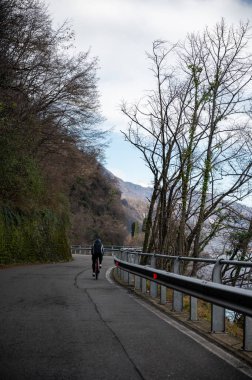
[194, 134]
[49, 82]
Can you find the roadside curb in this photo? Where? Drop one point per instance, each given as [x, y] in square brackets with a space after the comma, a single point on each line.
[223, 340]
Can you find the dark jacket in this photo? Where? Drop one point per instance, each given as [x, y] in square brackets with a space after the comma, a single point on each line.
[97, 247]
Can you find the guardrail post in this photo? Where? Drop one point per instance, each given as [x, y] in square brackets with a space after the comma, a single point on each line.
[153, 285]
[163, 295]
[177, 301]
[119, 269]
[247, 334]
[126, 274]
[218, 312]
[137, 278]
[144, 285]
[193, 309]
[131, 260]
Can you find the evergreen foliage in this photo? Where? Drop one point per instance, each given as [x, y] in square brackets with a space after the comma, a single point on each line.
[49, 138]
[96, 208]
[134, 229]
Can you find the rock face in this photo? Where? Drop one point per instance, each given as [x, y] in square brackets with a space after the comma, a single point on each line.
[131, 190]
[134, 199]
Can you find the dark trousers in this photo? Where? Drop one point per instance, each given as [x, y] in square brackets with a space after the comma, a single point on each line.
[100, 256]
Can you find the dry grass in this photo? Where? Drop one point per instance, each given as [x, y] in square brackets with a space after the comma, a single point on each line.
[204, 313]
[234, 329]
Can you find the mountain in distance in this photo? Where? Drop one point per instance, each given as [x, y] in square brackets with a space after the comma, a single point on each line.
[135, 201]
[134, 198]
[131, 190]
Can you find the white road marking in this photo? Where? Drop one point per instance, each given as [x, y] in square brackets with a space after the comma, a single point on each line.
[211, 347]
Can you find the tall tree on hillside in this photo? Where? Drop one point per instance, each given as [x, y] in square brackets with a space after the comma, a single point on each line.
[49, 94]
[49, 114]
[46, 79]
[195, 137]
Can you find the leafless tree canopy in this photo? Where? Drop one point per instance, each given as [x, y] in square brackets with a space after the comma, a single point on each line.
[194, 131]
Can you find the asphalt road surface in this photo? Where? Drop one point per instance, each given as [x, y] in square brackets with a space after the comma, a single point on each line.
[57, 322]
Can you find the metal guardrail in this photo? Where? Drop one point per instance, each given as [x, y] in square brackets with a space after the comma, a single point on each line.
[78, 249]
[220, 296]
[236, 299]
[198, 259]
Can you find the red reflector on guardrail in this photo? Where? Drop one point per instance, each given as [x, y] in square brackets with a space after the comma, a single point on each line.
[155, 276]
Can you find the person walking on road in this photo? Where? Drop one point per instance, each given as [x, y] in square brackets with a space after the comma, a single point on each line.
[97, 250]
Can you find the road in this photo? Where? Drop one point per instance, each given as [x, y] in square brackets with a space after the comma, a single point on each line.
[57, 322]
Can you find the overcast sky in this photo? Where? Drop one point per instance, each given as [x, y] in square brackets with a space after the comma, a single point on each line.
[119, 32]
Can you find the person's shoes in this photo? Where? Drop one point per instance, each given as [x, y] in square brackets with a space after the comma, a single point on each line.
[93, 274]
[100, 266]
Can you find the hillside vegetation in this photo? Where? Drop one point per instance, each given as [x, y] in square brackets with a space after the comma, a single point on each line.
[52, 189]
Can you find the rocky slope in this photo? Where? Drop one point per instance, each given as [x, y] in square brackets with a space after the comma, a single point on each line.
[134, 199]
